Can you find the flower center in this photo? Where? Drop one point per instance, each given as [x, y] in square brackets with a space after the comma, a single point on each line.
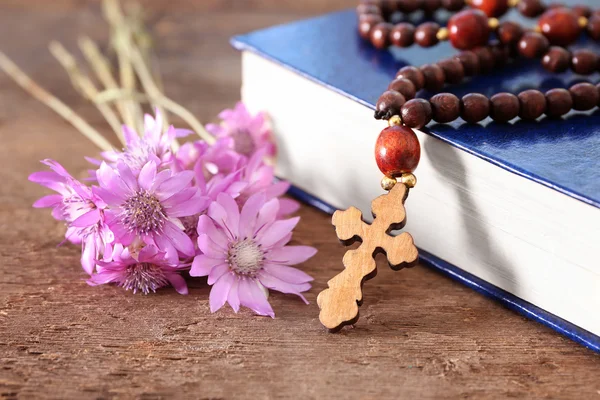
[143, 213]
[144, 277]
[245, 257]
[244, 142]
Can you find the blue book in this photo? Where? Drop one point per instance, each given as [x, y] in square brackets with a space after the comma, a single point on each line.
[511, 210]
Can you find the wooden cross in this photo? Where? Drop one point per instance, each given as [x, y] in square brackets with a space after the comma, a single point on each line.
[339, 304]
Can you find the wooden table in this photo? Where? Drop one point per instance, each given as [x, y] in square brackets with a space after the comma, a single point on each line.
[420, 336]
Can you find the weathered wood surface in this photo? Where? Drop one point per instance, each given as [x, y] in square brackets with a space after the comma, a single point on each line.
[420, 334]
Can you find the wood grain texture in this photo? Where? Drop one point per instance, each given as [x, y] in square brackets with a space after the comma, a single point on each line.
[421, 335]
[340, 301]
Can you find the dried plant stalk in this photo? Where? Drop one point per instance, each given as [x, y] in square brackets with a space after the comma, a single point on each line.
[85, 86]
[11, 69]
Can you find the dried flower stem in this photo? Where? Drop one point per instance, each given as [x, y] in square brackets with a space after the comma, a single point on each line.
[14, 72]
[85, 86]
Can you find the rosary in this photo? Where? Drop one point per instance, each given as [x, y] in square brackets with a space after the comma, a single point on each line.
[397, 149]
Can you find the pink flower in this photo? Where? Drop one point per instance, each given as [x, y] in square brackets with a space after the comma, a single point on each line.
[153, 145]
[214, 159]
[82, 211]
[149, 206]
[245, 254]
[149, 271]
[249, 132]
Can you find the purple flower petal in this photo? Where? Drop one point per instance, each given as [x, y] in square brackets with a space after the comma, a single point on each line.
[287, 274]
[164, 244]
[174, 184]
[127, 177]
[220, 291]
[287, 207]
[252, 296]
[233, 298]
[217, 272]
[109, 180]
[249, 214]
[284, 287]
[202, 265]
[88, 255]
[108, 197]
[177, 282]
[90, 218]
[180, 240]
[277, 231]
[206, 226]
[48, 201]
[208, 247]
[131, 136]
[233, 212]
[193, 206]
[147, 175]
[267, 214]
[291, 255]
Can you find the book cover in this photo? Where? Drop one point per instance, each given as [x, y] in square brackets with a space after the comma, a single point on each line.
[563, 155]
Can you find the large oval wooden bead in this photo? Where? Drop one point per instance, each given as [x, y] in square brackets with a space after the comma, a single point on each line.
[560, 26]
[492, 8]
[397, 151]
[469, 29]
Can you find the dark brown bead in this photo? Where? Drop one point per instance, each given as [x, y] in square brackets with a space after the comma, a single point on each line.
[593, 27]
[453, 5]
[509, 32]
[531, 8]
[416, 113]
[413, 74]
[380, 35]
[445, 107]
[486, 59]
[500, 53]
[585, 96]
[404, 87]
[584, 62]
[389, 7]
[389, 104]
[367, 23]
[434, 76]
[474, 107]
[504, 107]
[426, 34]
[408, 6]
[558, 102]
[533, 45]
[403, 35]
[397, 150]
[468, 29]
[469, 61]
[368, 9]
[560, 26]
[492, 8]
[533, 104]
[582, 11]
[557, 59]
[430, 6]
[453, 70]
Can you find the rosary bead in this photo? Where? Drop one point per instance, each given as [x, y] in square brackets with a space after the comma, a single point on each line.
[582, 11]
[445, 107]
[453, 70]
[469, 61]
[585, 96]
[434, 77]
[408, 6]
[403, 35]
[531, 8]
[430, 6]
[413, 74]
[486, 59]
[560, 26]
[404, 87]
[492, 8]
[416, 113]
[380, 35]
[533, 45]
[426, 34]
[468, 29]
[389, 104]
[558, 102]
[475, 107]
[453, 5]
[504, 107]
[509, 32]
[593, 27]
[367, 23]
[533, 104]
[397, 151]
[557, 59]
[584, 62]
[500, 53]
